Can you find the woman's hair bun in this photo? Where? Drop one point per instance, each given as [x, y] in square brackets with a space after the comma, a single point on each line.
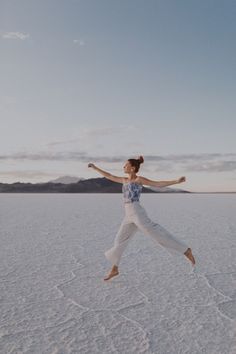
[141, 159]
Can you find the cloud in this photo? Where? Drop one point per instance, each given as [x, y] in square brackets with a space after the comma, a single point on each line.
[44, 156]
[59, 156]
[26, 174]
[62, 142]
[79, 41]
[204, 162]
[214, 166]
[207, 162]
[15, 35]
[96, 133]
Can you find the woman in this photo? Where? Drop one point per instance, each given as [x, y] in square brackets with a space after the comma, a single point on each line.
[136, 216]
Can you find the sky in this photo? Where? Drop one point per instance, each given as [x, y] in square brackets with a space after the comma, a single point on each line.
[103, 81]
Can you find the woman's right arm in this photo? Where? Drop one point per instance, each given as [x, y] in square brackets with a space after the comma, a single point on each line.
[104, 173]
[107, 174]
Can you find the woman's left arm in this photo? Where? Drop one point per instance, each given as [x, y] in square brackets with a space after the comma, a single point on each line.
[149, 182]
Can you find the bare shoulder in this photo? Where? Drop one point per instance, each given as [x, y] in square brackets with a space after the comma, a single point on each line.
[115, 178]
[137, 180]
[142, 180]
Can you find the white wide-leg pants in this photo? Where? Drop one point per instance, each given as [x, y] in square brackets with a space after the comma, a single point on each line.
[136, 219]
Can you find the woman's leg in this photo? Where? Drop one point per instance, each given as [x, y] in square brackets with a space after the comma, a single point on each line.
[159, 233]
[126, 231]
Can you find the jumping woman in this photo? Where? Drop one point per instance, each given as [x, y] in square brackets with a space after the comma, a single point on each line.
[136, 216]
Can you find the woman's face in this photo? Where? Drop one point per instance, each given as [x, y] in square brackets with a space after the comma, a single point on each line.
[128, 168]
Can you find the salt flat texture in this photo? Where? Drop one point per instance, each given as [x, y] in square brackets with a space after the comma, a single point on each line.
[53, 298]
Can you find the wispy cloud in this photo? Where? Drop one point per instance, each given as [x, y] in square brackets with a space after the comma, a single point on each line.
[214, 162]
[27, 174]
[15, 35]
[214, 166]
[79, 42]
[98, 132]
[204, 162]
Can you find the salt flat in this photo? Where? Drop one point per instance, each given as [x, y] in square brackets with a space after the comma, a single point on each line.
[53, 298]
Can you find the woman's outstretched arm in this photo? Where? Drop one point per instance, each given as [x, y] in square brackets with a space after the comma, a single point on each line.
[149, 182]
[107, 174]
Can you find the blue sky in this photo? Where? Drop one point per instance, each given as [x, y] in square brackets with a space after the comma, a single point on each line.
[105, 80]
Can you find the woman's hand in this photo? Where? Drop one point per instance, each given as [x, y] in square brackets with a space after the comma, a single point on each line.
[91, 165]
[181, 179]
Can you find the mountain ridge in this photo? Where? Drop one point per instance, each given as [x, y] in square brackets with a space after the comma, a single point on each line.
[91, 185]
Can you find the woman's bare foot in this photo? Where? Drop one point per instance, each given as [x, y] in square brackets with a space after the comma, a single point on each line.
[112, 273]
[189, 255]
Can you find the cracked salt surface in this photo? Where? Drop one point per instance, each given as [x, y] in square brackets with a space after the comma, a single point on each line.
[53, 299]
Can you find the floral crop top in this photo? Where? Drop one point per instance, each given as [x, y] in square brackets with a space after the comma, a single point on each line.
[131, 191]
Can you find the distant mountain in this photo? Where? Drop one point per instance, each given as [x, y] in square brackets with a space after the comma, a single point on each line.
[67, 179]
[168, 190]
[92, 185]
